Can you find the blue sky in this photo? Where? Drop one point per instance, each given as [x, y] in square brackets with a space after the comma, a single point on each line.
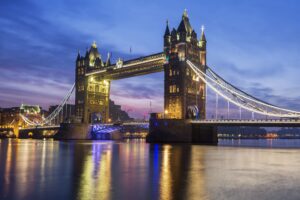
[253, 44]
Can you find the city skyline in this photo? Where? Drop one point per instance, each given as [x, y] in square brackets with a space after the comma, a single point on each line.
[39, 48]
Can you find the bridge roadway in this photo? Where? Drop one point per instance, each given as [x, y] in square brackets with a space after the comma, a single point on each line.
[6, 129]
[56, 127]
[225, 122]
[258, 123]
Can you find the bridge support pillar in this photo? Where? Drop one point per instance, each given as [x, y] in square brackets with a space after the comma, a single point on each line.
[74, 131]
[183, 131]
[204, 134]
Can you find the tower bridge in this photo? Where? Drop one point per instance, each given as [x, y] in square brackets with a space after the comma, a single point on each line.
[93, 76]
[186, 79]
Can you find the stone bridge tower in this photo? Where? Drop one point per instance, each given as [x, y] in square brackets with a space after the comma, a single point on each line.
[92, 92]
[183, 90]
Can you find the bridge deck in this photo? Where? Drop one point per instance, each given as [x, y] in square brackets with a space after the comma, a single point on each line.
[41, 128]
[261, 123]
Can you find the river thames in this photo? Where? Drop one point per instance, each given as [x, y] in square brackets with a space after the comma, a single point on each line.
[236, 169]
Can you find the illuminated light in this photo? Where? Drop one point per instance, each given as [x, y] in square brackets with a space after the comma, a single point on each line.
[119, 63]
[166, 112]
[94, 44]
[109, 120]
[202, 28]
[165, 174]
[262, 103]
[92, 79]
[185, 13]
[105, 82]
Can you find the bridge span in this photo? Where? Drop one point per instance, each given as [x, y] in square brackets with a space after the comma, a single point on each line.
[258, 123]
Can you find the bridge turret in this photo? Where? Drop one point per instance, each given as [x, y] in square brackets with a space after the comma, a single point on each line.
[86, 58]
[93, 55]
[167, 37]
[173, 36]
[108, 63]
[184, 29]
[81, 67]
[202, 46]
[78, 56]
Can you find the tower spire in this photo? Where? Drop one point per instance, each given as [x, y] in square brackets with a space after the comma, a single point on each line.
[108, 59]
[78, 55]
[185, 13]
[167, 32]
[94, 44]
[203, 38]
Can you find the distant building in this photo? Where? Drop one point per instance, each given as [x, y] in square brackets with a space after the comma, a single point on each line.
[11, 116]
[241, 132]
[116, 113]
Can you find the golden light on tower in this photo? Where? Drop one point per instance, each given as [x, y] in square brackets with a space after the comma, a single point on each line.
[106, 82]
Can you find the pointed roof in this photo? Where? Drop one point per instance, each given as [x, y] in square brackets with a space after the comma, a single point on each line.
[167, 32]
[185, 25]
[93, 52]
[87, 53]
[173, 31]
[94, 44]
[203, 38]
[78, 56]
[194, 34]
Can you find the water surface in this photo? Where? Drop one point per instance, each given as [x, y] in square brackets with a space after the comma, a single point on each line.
[247, 169]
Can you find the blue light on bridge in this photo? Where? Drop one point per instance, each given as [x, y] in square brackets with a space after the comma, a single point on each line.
[102, 131]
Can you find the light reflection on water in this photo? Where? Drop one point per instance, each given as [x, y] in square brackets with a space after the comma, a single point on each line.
[36, 169]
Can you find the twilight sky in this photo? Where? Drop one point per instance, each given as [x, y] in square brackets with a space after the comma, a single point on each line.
[253, 44]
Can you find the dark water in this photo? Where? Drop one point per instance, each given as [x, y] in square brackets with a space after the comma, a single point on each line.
[245, 169]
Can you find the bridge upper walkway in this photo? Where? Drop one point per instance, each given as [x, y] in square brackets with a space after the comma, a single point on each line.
[134, 67]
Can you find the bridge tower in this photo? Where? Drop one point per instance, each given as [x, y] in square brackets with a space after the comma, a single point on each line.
[92, 92]
[183, 90]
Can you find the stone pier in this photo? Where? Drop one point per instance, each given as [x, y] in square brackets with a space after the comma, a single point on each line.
[74, 131]
[183, 131]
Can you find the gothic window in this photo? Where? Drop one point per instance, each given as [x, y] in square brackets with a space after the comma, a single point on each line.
[173, 89]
